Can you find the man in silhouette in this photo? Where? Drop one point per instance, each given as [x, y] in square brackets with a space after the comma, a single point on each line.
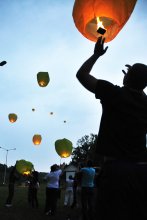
[122, 185]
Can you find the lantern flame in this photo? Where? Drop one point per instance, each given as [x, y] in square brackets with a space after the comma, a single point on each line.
[65, 154]
[42, 83]
[37, 142]
[26, 173]
[100, 27]
[99, 23]
[12, 120]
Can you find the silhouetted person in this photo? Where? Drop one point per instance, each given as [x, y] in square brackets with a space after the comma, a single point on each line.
[122, 186]
[13, 176]
[33, 189]
[52, 189]
[68, 197]
[87, 190]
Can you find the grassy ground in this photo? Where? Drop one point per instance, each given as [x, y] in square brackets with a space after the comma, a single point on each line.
[21, 210]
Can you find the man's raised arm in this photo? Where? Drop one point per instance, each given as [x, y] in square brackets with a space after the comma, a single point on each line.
[83, 74]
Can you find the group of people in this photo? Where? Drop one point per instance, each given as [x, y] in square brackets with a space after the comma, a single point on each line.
[33, 185]
[79, 190]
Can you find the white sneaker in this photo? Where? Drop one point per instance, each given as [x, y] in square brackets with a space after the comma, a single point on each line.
[8, 205]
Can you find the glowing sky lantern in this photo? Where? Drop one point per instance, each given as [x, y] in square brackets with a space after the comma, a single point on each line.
[63, 147]
[94, 18]
[24, 167]
[37, 139]
[12, 117]
[43, 79]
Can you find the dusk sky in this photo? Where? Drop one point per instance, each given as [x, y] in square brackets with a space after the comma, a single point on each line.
[40, 35]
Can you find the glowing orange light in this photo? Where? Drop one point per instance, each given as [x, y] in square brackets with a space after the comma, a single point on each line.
[43, 78]
[65, 154]
[12, 117]
[26, 173]
[99, 23]
[37, 139]
[113, 13]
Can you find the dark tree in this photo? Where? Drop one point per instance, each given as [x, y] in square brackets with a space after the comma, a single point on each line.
[85, 150]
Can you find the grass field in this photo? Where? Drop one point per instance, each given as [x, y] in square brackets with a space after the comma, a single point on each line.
[21, 210]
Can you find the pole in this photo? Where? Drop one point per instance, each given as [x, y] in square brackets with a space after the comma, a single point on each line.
[5, 171]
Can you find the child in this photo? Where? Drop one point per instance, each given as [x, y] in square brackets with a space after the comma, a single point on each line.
[33, 189]
[69, 192]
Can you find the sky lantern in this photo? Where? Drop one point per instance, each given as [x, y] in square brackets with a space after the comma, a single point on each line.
[24, 167]
[43, 79]
[3, 63]
[63, 147]
[37, 139]
[94, 18]
[12, 117]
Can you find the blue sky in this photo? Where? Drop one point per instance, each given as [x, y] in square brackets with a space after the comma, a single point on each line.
[41, 36]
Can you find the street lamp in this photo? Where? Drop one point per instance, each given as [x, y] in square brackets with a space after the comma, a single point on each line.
[7, 150]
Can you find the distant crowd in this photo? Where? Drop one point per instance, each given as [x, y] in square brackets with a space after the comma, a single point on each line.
[79, 189]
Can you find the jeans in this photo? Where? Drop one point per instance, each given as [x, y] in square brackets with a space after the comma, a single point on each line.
[87, 201]
[52, 195]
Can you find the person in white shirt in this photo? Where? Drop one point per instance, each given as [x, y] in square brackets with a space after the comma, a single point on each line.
[68, 199]
[52, 189]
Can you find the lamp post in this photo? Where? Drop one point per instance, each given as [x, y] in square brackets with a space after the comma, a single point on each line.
[5, 171]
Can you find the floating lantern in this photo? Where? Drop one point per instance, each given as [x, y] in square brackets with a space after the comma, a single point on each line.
[12, 117]
[43, 78]
[94, 18]
[37, 139]
[24, 167]
[63, 147]
[3, 63]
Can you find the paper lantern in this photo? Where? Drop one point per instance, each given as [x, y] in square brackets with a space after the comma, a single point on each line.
[24, 167]
[3, 63]
[92, 17]
[37, 139]
[63, 147]
[12, 117]
[43, 78]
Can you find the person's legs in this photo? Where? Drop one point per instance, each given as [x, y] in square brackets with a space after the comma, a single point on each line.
[10, 195]
[139, 191]
[47, 201]
[111, 200]
[54, 198]
[34, 198]
[121, 192]
[66, 197]
[84, 203]
[90, 194]
[70, 197]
